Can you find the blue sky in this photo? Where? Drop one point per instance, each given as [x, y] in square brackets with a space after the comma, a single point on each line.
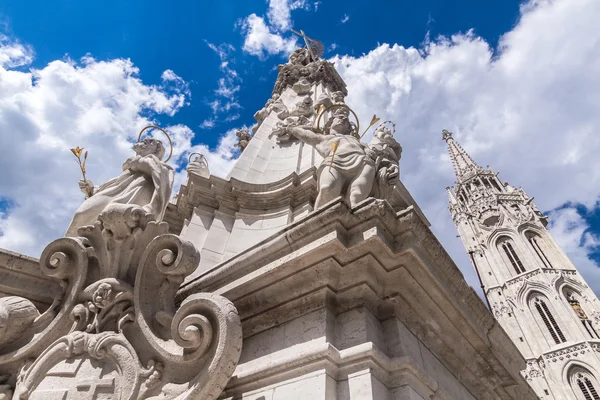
[158, 35]
[516, 82]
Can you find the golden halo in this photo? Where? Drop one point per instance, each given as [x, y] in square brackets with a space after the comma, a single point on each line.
[201, 155]
[342, 105]
[388, 122]
[163, 131]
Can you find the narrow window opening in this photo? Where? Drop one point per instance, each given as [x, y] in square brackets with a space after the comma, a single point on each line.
[546, 392]
[521, 339]
[513, 258]
[549, 321]
[540, 253]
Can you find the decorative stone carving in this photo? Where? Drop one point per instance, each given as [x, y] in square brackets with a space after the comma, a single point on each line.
[346, 163]
[386, 152]
[500, 309]
[302, 87]
[303, 108]
[244, 138]
[117, 332]
[145, 184]
[16, 316]
[198, 166]
[302, 65]
[532, 370]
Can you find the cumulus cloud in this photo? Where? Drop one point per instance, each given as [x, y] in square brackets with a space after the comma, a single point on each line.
[527, 108]
[261, 41]
[99, 105]
[271, 35]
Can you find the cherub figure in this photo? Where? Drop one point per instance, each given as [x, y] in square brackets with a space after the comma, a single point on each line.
[243, 138]
[386, 152]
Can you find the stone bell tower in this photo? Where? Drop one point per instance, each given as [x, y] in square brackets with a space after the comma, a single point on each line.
[533, 289]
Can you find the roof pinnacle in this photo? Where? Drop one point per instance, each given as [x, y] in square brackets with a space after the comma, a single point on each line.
[462, 161]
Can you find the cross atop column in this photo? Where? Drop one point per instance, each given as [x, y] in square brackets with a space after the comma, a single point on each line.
[308, 42]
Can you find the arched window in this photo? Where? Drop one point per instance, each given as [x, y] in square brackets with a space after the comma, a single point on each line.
[587, 324]
[536, 243]
[507, 247]
[583, 384]
[548, 319]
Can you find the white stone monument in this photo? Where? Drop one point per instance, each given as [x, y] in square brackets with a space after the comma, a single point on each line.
[309, 273]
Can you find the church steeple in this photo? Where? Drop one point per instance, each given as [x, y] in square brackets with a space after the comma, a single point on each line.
[525, 275]
[463, 163]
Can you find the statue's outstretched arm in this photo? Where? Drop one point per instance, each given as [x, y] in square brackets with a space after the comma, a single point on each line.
[307, 136]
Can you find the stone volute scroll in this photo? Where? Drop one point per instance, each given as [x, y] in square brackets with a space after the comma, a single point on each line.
[116, 331]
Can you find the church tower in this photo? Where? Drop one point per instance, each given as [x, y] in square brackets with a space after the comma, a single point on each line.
[534, 291]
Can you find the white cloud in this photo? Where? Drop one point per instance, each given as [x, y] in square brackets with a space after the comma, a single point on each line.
[264, 37]
[14, 54]
[279, 13]
[99, 105]
[571, 231]
[261, 41]
[345, 18]
[530, 111]
[227, 86]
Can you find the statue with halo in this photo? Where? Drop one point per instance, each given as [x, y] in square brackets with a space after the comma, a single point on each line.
[143, 187]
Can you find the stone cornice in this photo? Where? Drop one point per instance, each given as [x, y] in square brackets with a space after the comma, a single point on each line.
[378, 258]
[295, 190]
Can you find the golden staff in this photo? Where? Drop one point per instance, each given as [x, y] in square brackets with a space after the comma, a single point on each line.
[373, 122]
[334, 147]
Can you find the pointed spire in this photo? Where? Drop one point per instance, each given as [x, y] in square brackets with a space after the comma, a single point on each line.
[451, 197]
[463, 163]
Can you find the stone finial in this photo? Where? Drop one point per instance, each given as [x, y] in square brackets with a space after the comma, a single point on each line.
[446, 135]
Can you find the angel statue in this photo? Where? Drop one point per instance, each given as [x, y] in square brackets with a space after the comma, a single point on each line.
[347, 163]
[142, 190]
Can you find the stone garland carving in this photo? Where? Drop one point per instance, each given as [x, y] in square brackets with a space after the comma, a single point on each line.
[117, 331]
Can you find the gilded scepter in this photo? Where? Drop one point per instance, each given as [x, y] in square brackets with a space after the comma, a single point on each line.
[77, 152]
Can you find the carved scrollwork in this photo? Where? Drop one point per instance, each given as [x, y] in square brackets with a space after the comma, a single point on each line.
[119, 312]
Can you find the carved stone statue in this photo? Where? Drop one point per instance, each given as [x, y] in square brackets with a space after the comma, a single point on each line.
[144, 185]
[303, 107]
[244, 138]
[326, 100]
[387, 152]
[198, 166]
[350, 168]
[302, 87]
